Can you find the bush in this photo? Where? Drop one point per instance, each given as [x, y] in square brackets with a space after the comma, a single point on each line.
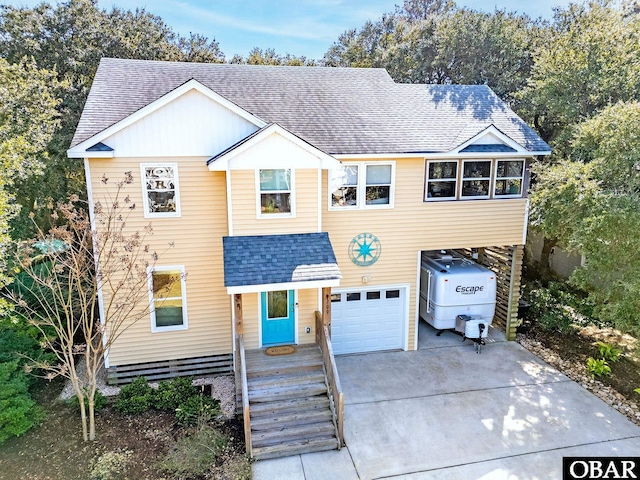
[20, 341]
[172, 393]
[135, 398]
[194, 454]
[198, 409]
[99, 402]
[609, 352]
[111, 466]
[598, 368]
[18, 412]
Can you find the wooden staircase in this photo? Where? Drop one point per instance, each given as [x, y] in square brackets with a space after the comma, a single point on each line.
[289, 403]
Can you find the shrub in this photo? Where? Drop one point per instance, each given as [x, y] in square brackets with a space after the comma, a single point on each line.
[135, 398]
[99, 401]
[194, 454]
[550, 308]
[609, 352]
[198, 409]
[111, 466]
[18, 412]
[172, 393]
[598, 368]
[20, 341]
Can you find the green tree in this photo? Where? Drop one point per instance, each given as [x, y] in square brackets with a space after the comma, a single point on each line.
[588, 59]
[590, 203]
[69, 39]
[28, 119]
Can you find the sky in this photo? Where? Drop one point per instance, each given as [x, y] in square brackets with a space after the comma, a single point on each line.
[299, 27]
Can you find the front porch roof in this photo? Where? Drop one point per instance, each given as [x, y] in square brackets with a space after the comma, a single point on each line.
[261, 263]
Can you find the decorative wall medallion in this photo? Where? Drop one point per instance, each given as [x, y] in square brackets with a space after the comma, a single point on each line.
[364, 249]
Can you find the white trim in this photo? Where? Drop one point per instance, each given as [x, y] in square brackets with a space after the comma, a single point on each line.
[224, 161]
[526, 222]
[319, 199]
[417, 305]
[471, 179]
[295, 315]
[283, 286]
[442, 155]
[145, 193]
[79, 150]
[455, 181]
[109, 154]
[229, 206]
[491, 130]
[183, 286]
[495, 178]
[291, 191]
[398, 286]
[92, 219]
[361, 203]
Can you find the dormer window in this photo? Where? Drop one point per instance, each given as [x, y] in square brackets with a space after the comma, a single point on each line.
[160, 190]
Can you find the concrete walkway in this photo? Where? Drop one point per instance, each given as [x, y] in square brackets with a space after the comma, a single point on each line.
[445, 412]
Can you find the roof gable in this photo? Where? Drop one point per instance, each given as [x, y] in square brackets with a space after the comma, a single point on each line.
[272, 147]
[201, 123]
[490, 139]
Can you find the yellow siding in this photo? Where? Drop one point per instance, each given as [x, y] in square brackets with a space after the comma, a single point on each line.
[244, 201]
[413, 225]
[198, 246]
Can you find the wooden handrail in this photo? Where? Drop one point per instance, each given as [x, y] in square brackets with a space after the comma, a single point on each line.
[242, 367]
[323, 339]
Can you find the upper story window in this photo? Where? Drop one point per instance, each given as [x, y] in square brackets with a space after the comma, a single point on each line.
[365, 185]
[442, 180]
[161, 195]
[168, 299]
[275, 190]
[509, 178]
[474, 179]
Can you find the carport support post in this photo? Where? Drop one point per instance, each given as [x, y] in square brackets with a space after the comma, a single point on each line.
[237, 313]
[326, 307]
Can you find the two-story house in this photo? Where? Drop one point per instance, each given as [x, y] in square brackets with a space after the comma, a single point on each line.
[292, 190]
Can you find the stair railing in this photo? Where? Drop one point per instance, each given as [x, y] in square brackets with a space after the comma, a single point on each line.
[323, 339]
[241, 376]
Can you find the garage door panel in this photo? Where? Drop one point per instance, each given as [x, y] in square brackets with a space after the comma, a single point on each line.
[368, 320]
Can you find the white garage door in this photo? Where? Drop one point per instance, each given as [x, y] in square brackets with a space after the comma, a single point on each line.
[367, 320]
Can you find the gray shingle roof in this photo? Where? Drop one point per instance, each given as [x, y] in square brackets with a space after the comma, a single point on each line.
[338, 110]
[269, 259]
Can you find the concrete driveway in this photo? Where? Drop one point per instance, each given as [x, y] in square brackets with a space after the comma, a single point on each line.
[445, 412]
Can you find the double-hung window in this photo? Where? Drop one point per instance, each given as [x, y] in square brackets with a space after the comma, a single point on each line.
[442, 180]
[161, 196]
[275, 190]
[364, 185]
[476, 179]
[168, 299]
[509, 178]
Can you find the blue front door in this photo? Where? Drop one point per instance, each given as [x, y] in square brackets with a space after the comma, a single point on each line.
[278, 317]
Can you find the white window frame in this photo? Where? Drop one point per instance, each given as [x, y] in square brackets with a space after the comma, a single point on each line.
[463, 179]
[455, 181]
[496, 178]
[361, 203]
[145, 192]
[292, 195]
[183, 287]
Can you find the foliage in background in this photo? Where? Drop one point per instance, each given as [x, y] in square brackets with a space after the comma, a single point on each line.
[18, 411]
[558, 308]
[591, 203]
[135, 398]
[69, 308]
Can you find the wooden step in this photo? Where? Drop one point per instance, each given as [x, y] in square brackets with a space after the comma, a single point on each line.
[286, 392]
[281, 380]
[288, 435]
[281, 407]
[269, 420]
[318, 444]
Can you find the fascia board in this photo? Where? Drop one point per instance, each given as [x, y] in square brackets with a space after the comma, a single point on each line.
[270, 287]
